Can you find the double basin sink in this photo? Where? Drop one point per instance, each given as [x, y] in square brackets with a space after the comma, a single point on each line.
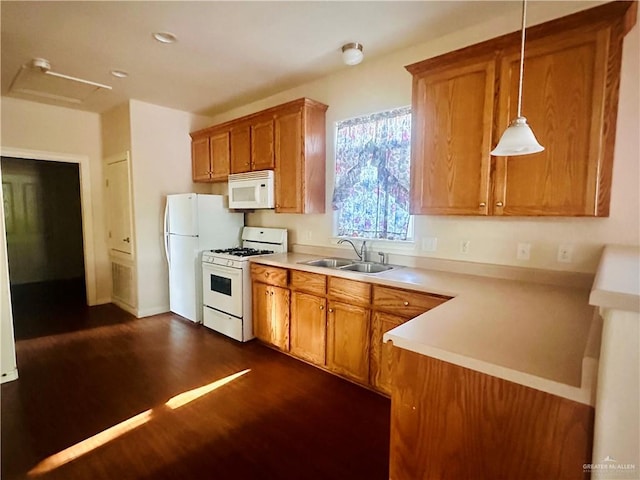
[350, 265]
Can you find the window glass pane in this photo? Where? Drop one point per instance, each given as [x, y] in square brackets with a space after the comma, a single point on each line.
[371, 194]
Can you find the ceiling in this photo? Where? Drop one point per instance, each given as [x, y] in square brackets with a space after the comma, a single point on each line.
[228, 53]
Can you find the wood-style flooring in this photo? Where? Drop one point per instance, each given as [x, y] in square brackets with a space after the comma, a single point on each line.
[282, 419]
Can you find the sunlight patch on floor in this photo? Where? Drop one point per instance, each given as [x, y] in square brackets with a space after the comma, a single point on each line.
[69, 454]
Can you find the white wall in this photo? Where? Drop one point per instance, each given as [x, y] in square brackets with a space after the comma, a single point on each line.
[161, 165]
[69, 135]
[383, 83]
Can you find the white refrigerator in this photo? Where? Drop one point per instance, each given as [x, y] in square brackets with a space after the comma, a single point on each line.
[193, 223]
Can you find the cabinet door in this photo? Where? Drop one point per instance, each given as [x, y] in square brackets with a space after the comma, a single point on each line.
[220, 161]
[381, 353]
[279, 299]
[262, 145]
[261, 312]
[451, 139]
[271, 314]
[240, 149]
[200, 160]
[289, 163]
[348, 341]
[120, 206]
[308, 327]
[563, 101]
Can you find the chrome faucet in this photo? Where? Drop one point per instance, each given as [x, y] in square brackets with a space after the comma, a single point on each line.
[360, 253]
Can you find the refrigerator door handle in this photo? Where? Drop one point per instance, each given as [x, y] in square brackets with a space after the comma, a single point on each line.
[166, 233]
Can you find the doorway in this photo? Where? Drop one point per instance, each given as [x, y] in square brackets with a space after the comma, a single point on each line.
[43, 219]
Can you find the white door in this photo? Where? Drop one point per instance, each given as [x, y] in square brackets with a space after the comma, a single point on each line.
[119, 206]
[182, 214]
[184, 270]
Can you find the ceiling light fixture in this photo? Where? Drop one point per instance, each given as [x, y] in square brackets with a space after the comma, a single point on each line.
[352, 53]
[165, 37]
[119, 73]
[518, 138]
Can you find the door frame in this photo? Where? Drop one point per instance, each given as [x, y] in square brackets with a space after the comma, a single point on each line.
[85, 202]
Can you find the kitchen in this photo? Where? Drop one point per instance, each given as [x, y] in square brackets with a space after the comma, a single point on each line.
[158, 135]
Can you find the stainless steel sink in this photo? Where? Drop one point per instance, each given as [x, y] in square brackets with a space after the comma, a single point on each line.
[367, 267]
[329, 262]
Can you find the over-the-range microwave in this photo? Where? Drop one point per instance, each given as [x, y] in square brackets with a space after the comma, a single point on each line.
[251, 190]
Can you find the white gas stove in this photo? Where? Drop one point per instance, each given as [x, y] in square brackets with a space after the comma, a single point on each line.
[227, 284]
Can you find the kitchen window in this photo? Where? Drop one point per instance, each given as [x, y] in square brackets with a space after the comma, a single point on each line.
[371, 193]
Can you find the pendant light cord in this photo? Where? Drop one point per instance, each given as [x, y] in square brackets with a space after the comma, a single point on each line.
[524, 19]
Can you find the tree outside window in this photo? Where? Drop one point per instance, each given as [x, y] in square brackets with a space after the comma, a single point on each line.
[371, 194]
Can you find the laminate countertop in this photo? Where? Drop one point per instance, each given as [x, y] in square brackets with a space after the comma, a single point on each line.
[617, 283]
[542, 336]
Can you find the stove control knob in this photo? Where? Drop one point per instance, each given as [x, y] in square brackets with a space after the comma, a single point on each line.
[229, 263]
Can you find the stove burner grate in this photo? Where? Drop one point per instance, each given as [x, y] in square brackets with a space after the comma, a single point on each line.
[242, 252]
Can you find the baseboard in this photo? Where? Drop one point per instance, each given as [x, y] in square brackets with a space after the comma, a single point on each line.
[125, 307]
[149, 312]
[9, 376]
[101, 301]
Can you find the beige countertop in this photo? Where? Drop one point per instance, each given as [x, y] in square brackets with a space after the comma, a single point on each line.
[617, 283]
[541, 336]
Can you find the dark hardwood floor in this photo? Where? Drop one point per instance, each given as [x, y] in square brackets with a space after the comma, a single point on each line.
[281, 420]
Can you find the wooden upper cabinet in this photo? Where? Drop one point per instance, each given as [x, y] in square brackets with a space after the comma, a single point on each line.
[300, 157]
[289, 139]
[563, 100]
[241, 148]
[464, 100]
[220, 156]
[262, 144]
[200, 159]
[451, 138]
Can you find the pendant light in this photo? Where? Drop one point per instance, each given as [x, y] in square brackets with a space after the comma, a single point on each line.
[518, 138]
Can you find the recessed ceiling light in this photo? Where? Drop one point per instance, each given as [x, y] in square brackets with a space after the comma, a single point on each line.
[119, 73]
[165, 37]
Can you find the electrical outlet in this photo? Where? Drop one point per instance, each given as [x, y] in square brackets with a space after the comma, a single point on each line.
[565, 253]
[465, 246]
[523, 251]
[429, 244]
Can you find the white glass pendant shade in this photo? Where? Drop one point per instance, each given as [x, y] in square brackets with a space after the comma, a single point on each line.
[518, 139]
[352, 53]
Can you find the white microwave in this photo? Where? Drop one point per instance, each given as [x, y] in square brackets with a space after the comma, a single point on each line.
[251, 190]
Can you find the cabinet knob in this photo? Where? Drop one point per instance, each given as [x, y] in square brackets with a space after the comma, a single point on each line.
[266, 293]
[271, 293]
[266, 274]
[499, 204]
[331, 310]
[277, 205]
[127, 240]
[483, 204]
[321, 307]
[406, 304]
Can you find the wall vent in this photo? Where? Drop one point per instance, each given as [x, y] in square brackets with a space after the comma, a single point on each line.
[122, 284]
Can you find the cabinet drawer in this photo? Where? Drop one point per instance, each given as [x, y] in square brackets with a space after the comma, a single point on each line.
[308, 282]
[406, 303]
[270, 275]
[349, 291]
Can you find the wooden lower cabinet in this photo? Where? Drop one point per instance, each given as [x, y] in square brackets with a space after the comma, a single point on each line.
[381, 353]
[271, 314]
[348, 341]
[308, 327]
[450, 422]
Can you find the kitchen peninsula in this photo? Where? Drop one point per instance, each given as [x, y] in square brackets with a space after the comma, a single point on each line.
[473, 376]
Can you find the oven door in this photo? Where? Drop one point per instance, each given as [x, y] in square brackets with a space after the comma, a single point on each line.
[222, 288]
